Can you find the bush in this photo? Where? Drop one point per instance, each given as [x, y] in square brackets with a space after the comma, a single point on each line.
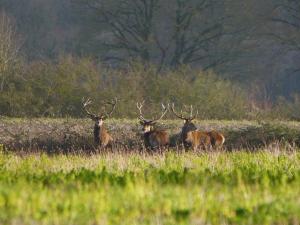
[56, 89]
[45, 88]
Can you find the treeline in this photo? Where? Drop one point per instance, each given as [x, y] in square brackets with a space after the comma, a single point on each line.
[230, 58]
[251, 41]
[44, 88]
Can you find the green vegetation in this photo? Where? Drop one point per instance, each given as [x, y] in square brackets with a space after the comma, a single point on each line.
[235, 61]
[227, 63]
[113, 188]
[57, 89]
[252, 184]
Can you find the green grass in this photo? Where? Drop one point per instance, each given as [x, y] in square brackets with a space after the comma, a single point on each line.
[187, 188]
[236, 187]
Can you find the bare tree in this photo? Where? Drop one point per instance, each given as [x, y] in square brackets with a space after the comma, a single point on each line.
[9, 48]
[287, 14]
[193, 33]
[286, 19]
[129, 24]
[165, 32]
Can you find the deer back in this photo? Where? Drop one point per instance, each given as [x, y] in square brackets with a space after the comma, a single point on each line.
[196, 139]
[217, 138]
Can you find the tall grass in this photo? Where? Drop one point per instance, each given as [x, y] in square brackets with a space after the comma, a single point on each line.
[207, 188]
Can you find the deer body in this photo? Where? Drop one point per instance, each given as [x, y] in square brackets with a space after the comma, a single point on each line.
[187, 127]
[217, 138]
[101, 136]
[153, 138]
[198, 139]
[204, 139]
[156, 139]
[191, 137]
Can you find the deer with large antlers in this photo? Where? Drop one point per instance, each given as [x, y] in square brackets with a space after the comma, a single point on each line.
[192, 137]
[187, 126]
[153, 137]
[101, 137]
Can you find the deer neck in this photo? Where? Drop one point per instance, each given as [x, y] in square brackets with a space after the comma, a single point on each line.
[98, 132]
[187, 127]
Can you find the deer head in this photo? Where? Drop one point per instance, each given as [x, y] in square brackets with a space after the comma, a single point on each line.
[99, 118]
[149, 124]
[186, 119]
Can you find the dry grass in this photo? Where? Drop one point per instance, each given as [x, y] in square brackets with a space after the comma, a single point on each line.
[75, 135]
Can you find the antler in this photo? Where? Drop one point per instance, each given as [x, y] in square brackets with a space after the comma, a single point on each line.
[104, 115]
[191, 117]
[86, 103]
[142, 118]
[164, 111]
[113, 103]
[139, 107]
[176, 114]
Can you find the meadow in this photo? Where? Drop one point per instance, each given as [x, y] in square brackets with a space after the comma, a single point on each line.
[45, 179]
[169, 188]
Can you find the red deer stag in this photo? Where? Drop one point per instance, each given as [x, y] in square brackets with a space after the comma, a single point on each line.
[192, 137]
[101, 137]
[187, 126]
[153, 137]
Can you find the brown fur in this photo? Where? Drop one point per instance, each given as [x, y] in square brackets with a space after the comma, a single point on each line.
[202, 139]
[101, 137]
[187, 127]
[155, 139]
[217, 138]
[198, 139]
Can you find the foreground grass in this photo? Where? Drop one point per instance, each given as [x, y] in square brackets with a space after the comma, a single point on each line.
[208, 188]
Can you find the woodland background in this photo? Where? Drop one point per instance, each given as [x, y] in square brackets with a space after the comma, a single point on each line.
[232, 59]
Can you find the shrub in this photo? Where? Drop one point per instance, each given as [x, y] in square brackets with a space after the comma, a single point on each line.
[56, 89]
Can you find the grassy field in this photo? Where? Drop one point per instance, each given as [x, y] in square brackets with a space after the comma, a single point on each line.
[255, 179]
[187, 188]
